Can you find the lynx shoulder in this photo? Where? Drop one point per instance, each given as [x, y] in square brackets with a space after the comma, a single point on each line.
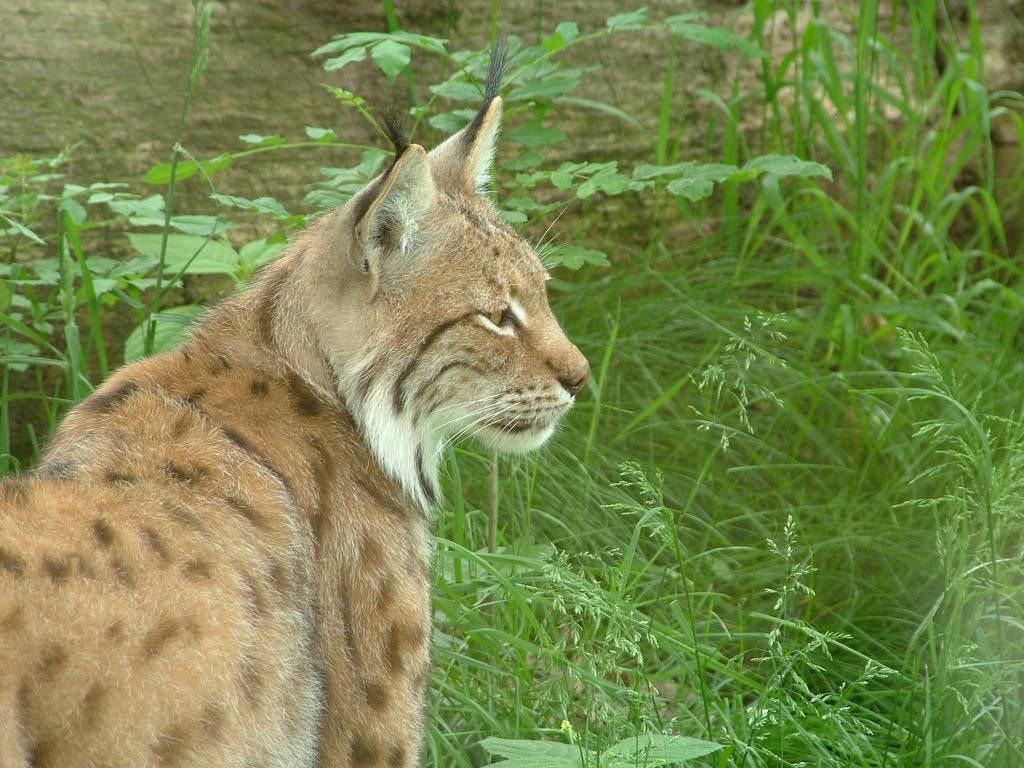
[223, 558]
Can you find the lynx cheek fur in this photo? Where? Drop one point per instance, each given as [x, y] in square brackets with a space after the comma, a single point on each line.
[223, 558]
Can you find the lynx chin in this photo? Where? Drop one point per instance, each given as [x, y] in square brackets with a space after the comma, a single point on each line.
[223, 558]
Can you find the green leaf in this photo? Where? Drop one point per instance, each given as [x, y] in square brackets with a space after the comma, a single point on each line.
[787, 165]
[561, 179]
[529, 748]
[132, 206]
[351, 55]
[320, 134]
[391, 57]
[713, 36]
[259, 252]
[552, 87]
[258, 140]
[365, 39]
[513, 217]
[260, 204]
[75, 209]
[565, 33]
[457, 89]
[196, 255]
[171, 327]
[344, 42]
[18, 355]
[347, 98]
[161, 172]
[694, 181]
[534, 135]
[625, 21]
[693, 189]
[600, 106]
[717, 172]
[573, 257]
[452, 122]
[523, 161]
[649, 750]
[23, 230]
[205, 226]
[537, 761]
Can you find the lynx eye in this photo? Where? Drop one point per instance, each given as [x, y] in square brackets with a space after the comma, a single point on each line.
[502, 317]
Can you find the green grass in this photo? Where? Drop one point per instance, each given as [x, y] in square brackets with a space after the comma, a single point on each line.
[786, 515]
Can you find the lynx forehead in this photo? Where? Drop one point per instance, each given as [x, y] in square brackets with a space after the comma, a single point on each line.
[223, 559]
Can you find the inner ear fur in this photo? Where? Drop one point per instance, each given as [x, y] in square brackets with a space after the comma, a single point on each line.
[392, 209]
[463, 162]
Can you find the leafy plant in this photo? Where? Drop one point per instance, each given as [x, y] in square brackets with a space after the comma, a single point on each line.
[640, 751]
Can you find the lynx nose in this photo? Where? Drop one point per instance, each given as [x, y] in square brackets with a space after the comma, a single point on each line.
[574, 382]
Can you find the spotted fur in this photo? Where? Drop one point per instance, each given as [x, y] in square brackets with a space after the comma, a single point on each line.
[223, 559]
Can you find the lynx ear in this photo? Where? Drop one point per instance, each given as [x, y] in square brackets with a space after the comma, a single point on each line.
[389, 211]
[463, 162]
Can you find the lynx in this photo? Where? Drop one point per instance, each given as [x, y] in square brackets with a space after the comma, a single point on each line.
[223, 558]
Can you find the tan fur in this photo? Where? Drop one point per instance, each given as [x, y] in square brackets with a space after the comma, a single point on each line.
[223, 559]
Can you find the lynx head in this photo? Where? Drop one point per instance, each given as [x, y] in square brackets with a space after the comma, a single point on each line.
[431, 313]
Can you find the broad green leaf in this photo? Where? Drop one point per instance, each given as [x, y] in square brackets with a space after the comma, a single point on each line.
[23, 230]
[624, 21]
[260, 204]
[259, 252]
[452, 122]
[529, 748]
[349, 56]
[694, 181]
[537, 761]
[132, 206]
[344, 42]
[320, 134]
[75, 209]
[347, 98]
[693, 189]
[716, 172]
[457, 88]
[554, 87]
[787, 165]
[573, 257]
[171, 327]
[196, 255]
[564, 34]
[601, 106]
[523, 161]
[391, 57]
[513, 217]
[18, 355]
[608, 180]
[561, 179]
[534, 136]
[161, 172]
[650, 750]
[716, 37]
[365, 39]
[204, 226]
[258, 140]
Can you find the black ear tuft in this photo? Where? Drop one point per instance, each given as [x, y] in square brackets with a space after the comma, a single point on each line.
[496, 67]
[391, 123]
[495, 72]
